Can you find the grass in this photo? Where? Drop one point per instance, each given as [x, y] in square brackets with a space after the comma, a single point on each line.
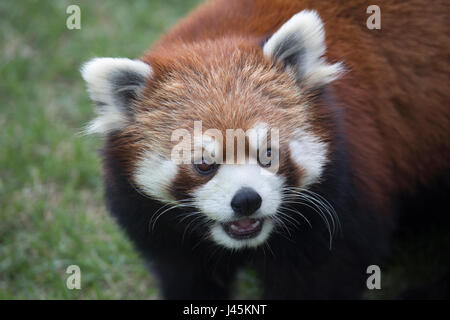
[51, 206]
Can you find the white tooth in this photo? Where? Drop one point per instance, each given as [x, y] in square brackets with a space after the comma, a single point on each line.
[255, 224]
[234, 227]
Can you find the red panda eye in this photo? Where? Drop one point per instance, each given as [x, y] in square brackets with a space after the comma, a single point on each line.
[205, 168]
[266, 163]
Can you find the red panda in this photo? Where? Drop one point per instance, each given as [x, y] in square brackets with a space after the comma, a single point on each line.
[362, 118]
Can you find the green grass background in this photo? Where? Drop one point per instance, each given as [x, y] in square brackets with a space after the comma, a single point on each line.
[51, 207]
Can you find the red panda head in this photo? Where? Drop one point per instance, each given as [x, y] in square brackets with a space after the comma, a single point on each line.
[152, 108]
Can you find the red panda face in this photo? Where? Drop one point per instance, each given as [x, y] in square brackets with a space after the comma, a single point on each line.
[178, 115]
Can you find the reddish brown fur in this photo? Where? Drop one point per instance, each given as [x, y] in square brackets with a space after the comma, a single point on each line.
[395, 94]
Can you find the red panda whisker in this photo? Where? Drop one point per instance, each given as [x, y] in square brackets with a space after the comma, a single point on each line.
[289, 219]
[297, 212]
[157, 216]
[320, 203]
[201, 224]
[203, 238]
[188, 225]
[138, 190]
[277, 231]
[188, 215]
[315, 209]
[282, 223]
[319, 212]
[324, 200]
[333, 211]
[268, 247]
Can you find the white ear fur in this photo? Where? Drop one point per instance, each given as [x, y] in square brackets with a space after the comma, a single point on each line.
[301, 42]
[112, 82]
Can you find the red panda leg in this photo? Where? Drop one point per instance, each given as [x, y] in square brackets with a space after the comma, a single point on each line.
[191, 279]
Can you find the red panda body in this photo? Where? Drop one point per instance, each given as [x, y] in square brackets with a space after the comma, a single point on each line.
[374, 127]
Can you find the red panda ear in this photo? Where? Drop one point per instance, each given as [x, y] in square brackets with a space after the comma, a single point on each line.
[113, 84]
[300, 43]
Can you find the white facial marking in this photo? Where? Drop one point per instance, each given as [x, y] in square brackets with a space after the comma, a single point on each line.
[108, 120]
[304, 35]
[153, 175]
[99, 75]
[310, 154]
[214, 199]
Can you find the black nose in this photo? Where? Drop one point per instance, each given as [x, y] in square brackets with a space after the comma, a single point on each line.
[246, 201]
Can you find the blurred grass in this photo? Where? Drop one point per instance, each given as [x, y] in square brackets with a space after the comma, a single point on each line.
[51, 206]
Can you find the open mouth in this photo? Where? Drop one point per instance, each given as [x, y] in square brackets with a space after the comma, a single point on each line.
[244, 228]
